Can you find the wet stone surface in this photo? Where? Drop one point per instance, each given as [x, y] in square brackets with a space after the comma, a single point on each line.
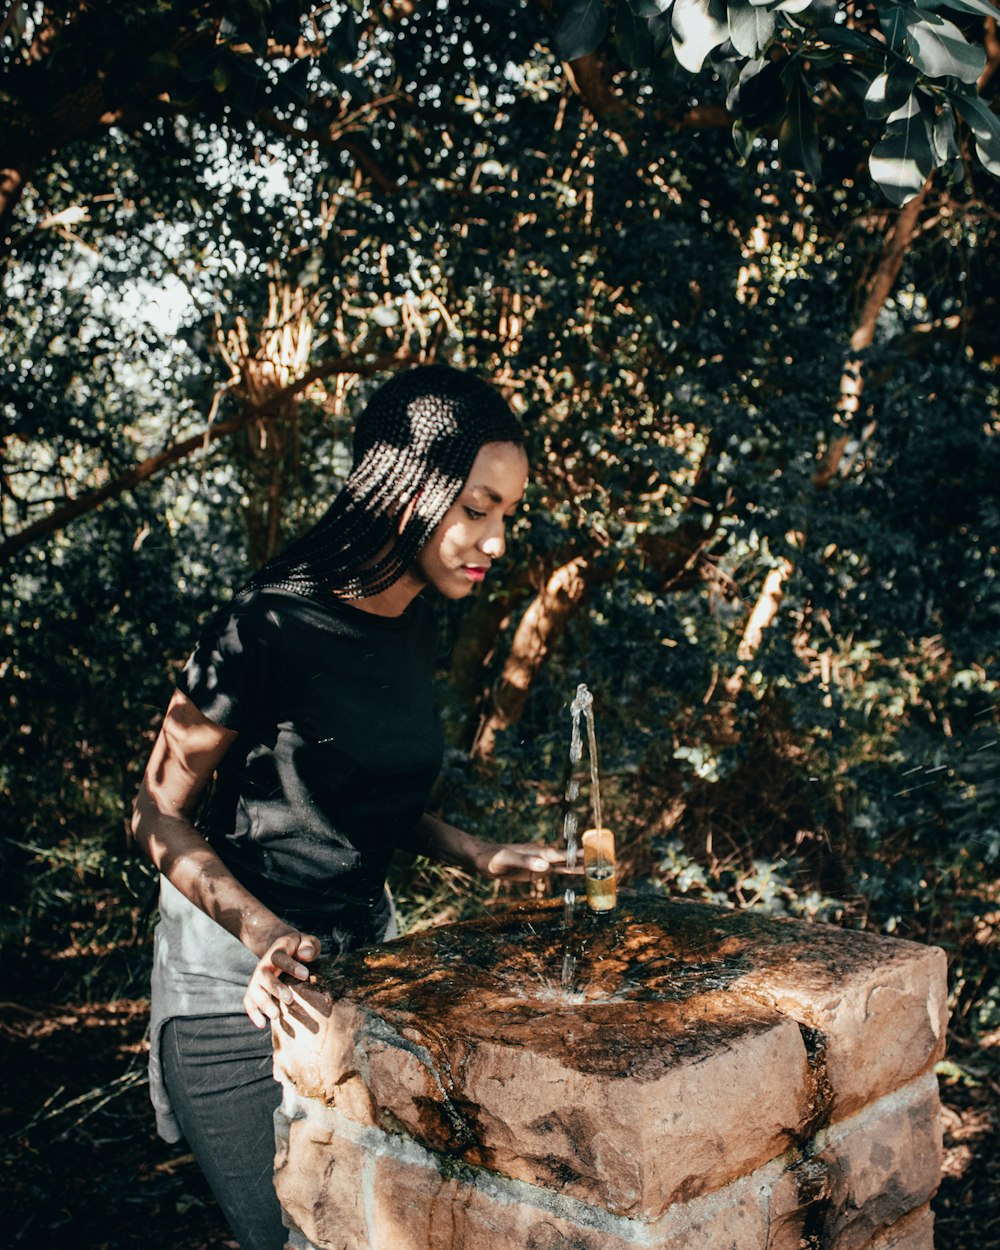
[697, 1045]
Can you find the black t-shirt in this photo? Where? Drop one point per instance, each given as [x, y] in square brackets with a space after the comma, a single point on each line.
[338, 747]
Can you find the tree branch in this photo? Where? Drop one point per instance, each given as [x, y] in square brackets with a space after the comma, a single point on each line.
[153, 465]
[118, 486]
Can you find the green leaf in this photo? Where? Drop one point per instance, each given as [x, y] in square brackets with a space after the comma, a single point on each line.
[659, 33]
[982, 7]
[990, 162]
[941, 50]
[751, 28]
[580, 29]
[650, 8]
[814, 13]
[902, 160]
[758, 99]
[220, 77]
[345, 39]
[851, 40]
[632, 38]
[984, 124]
[165, 59]
[294, 81]
[892, 19]
[699, 26]
[943, 137]
[798, 138]
[743, 140]
[889, 90]
[851, 81]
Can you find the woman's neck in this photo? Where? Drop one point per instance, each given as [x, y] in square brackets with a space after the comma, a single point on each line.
[394, 600]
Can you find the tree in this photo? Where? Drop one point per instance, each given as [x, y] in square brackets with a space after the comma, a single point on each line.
[778, 581]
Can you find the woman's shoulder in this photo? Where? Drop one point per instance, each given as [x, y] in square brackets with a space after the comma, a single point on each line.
[268, 610]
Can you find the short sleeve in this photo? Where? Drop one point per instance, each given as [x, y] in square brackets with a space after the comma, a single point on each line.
[234, 670]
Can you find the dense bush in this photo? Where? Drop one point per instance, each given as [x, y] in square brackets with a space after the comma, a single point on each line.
[761, 407]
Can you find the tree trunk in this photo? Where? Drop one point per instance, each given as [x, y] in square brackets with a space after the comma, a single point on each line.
[540, 626]
[477, 639]
[765, 610]
[897, 244]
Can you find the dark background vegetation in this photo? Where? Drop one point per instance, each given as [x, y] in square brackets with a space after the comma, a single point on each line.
[761, 399]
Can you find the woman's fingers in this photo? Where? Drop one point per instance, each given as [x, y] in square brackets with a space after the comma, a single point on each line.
[266, 989]
[519, 860]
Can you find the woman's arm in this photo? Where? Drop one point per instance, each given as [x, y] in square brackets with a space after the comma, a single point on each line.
[186, 753]
[513, 861]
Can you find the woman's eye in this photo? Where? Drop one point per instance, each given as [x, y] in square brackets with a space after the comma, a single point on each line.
[473, 515]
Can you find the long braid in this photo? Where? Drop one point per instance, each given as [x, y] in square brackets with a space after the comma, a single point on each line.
[414, 443]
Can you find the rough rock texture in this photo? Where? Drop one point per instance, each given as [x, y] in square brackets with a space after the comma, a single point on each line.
[714, 1079]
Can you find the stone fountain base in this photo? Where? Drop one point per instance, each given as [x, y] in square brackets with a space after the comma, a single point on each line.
[721, 1081]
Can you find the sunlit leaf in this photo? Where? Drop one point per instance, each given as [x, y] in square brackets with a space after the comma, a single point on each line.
[699, 26]
[650, 8]
[902, 160]
[982, 7]
[909, 109]
[751, 28]
[941, 50]
[889, 90]
[814, 13]
[987, 158]
[943, 137]
[984, 124]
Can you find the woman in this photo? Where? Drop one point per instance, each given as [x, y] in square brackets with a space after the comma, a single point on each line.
[303, 723]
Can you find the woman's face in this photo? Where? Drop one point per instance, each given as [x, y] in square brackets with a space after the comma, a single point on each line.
[472, 533]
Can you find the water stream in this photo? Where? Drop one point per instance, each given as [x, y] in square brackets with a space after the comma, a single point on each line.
[582, 708]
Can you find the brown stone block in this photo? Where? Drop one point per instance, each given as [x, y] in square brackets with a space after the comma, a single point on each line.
[878, 1003]
[416, 1208]
[319, 1179]
[316, 1050]
[684, 1118]
[913, 1232]
[676, 1066]
[883, 1163]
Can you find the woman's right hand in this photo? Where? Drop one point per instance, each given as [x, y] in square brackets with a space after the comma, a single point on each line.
[288, 952]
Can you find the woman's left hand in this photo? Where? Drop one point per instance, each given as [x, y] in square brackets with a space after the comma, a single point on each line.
[517, 861]
[507, 861]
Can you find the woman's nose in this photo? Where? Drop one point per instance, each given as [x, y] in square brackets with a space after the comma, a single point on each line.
[494, 544]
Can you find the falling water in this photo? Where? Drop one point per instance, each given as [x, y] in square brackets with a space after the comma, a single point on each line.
[581, 707]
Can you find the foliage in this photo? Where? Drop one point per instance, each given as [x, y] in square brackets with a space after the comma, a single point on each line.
[751, 398]
[785, 62]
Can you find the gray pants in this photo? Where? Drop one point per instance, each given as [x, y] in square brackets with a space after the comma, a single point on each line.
[217, 1071]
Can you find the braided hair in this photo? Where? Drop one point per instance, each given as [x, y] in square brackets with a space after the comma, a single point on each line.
[414, 443]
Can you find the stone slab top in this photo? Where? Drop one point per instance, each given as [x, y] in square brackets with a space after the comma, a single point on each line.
[714, 1038]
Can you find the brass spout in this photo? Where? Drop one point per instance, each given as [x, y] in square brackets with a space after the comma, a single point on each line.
[599, 869]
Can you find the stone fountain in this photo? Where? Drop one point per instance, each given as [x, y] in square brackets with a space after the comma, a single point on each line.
[715, 1080]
